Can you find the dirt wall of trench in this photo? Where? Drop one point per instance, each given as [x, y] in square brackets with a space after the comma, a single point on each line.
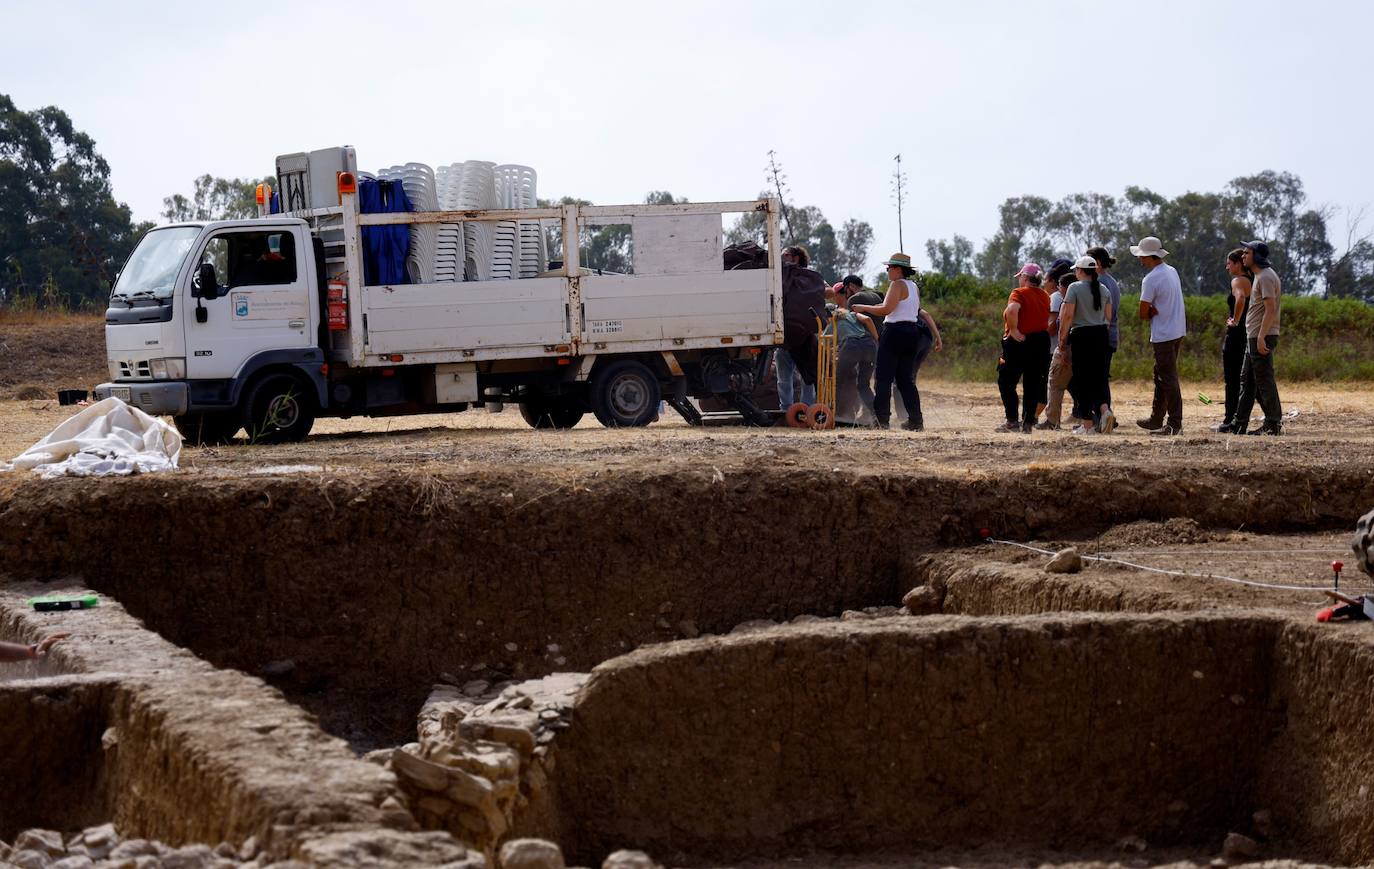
[1320, 770]
[52, 769]
[137, 732]
[1061, 732]
[366, 589]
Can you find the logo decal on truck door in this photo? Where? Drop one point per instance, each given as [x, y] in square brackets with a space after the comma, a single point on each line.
[270, 304]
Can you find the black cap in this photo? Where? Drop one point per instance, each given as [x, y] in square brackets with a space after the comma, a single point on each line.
[1100, 254]
[1058, 268]
[852, 279]
[1260, 250]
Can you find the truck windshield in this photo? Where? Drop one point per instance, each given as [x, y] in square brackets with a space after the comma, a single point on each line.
[152, 268]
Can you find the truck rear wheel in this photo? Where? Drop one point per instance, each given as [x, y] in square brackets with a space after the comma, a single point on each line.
[553, 411]
[279, 409]
[208, 428]
[625, 394]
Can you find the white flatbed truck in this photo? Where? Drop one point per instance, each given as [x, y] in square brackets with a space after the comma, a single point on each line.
[263, 325]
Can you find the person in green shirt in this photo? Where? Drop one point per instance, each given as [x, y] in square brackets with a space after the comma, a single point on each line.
[857, 336]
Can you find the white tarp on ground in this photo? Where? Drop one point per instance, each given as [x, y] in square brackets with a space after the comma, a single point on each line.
[109, 438]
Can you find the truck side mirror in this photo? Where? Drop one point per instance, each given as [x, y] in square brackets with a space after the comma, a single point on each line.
[205, 285]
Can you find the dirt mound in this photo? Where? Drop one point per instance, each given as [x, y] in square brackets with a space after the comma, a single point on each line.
[65, 351]
[1180, 529]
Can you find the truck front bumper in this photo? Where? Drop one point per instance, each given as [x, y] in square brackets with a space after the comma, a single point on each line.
[156, 398]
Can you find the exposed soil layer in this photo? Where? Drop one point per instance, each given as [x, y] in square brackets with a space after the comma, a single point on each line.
[362, 589]
[167, 747]
[1058, 732]
[53, 771]
[42, 355]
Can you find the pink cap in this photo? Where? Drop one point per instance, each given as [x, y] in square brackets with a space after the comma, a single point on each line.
[1030, 270]
[837, 288]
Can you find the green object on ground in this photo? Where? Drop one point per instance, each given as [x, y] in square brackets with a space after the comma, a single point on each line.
[57, 602]
[1202, 397]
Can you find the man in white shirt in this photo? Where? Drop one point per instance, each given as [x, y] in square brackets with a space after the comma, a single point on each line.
[1161, 304]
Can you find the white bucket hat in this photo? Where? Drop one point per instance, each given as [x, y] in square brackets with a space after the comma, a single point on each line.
[1149, 246]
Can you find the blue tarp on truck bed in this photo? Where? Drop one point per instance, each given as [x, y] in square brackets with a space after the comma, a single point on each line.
[385, 248]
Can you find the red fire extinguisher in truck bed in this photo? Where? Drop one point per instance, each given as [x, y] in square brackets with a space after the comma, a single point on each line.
[337, 298]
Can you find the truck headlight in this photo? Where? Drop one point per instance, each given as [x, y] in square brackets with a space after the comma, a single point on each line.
[170, 368]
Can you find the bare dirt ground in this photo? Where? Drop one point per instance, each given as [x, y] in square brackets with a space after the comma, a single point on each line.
[40, 354]
[1332, 423]
[1199, 568]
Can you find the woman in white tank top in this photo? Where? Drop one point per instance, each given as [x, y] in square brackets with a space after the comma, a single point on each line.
[908, 335]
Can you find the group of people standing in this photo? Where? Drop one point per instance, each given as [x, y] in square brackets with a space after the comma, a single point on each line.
[1065, 338]
[1060, 332]
[881, 337]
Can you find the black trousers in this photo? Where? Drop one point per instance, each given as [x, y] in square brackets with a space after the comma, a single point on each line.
[1233, 348]
[1089, 384]
[903, 346]
[1257, 381]
[1026, 361]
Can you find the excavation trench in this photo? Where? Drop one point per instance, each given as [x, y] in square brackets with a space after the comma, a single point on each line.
[903, 734]
[354, 595]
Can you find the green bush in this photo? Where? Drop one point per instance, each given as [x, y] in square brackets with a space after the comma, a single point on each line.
[1323, 339]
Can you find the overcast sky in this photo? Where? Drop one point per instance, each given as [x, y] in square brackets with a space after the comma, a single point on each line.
[608, 100]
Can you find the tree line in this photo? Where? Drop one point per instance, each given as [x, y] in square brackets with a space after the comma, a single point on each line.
[1198, 229]
[63, 237]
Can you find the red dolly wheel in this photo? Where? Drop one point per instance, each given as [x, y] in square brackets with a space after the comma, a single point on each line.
[798, 415]
[820, 416]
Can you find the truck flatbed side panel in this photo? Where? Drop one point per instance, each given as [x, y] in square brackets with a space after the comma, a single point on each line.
[466, 315]
[663, 307]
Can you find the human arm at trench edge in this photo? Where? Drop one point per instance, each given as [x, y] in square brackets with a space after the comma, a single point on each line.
[34, 652]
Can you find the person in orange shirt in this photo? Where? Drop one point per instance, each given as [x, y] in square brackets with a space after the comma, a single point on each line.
[1025, 350]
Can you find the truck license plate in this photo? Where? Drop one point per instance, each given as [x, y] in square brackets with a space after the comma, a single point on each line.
[120, 392]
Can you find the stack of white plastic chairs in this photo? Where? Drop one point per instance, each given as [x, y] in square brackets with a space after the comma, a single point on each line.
[470, 250]
[477, 190]
[452, 249]
[421, 190]
[517, 186]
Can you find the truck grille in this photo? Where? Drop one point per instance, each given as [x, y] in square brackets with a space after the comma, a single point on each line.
[132, 370]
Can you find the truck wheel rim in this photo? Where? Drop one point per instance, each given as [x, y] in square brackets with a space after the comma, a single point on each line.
[282, 412]
[629, 397]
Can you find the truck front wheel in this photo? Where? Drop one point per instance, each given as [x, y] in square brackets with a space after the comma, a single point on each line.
[279, 409]
[625, 394]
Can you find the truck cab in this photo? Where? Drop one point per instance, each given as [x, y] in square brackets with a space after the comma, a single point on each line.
[204, 314]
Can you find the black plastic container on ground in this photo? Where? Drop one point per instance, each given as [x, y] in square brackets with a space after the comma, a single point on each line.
[71, 396]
